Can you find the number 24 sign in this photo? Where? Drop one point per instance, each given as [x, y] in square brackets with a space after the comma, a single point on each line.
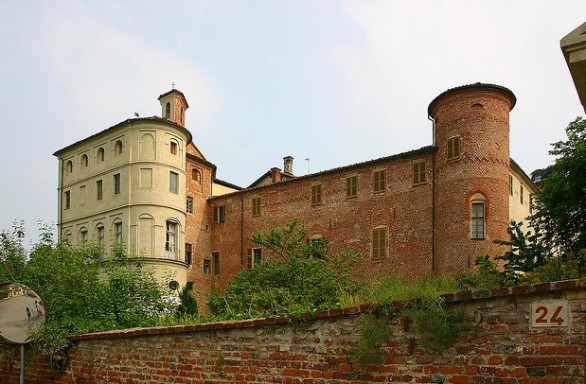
[550, 313]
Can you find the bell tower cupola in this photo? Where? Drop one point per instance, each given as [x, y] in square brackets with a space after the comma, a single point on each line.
[174, 105]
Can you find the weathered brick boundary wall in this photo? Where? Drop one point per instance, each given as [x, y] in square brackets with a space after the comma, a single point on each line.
[502, 348]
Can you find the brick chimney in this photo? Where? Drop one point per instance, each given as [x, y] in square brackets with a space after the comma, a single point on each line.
[288, 164]
[276, 175]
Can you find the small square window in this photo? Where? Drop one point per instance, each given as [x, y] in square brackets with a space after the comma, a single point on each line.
[510, 185]
[380, 178]
[419, 176]
[67, 199]
[188, 254]
[379, 243]
[189, 205]
[255, 206]
[521, 194]
[117, 184]
[216, 263]
[453, 147]
[219, 214]
[351, 186]
[99, 189]
[477, 221]
[316, 194]
[173, 182]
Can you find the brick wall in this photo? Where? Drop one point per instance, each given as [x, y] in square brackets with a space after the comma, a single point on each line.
[502, 348]
[403, 208]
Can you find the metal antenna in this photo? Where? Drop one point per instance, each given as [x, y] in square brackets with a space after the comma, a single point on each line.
[307, 159]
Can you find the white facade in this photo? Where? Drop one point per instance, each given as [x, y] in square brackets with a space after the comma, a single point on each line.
[126, 187]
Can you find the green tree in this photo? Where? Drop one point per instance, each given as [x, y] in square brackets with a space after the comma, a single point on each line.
[298, 276]
[82, 291]
[560, 206]
[527, 252]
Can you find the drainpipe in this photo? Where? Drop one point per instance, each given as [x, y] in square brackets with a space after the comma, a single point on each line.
[241, 230]
[433, 181]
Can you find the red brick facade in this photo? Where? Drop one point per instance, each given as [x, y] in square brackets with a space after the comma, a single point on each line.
[502, 348]
[421, 200]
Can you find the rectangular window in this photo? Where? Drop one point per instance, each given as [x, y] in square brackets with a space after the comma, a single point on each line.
[379, 243]
[316, 194]
[171, 241]
[100, 235]
[67, 199]
[219, 214]
[117, 184]
[510, 185]
[477, 221]
[255, 206]
[453, 147]
[173, 147]
[521, 193]
[118, 233]
[187, 253]
[254, 257]
[419, 172]
[380, 178]
[173, 182]
[99, 189]
[351, 186]
[207, 266]
[189, 205]
[216, 263]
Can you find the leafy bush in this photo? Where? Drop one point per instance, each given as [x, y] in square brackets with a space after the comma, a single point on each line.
[300, 276]
[82, 291]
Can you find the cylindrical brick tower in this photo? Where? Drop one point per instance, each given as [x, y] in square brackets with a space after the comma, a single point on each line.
[471, 174]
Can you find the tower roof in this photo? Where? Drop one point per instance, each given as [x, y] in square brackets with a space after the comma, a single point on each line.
[176, 91]
[476, 86]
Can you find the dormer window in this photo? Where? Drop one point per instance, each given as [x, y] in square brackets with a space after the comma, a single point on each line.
[168, 110]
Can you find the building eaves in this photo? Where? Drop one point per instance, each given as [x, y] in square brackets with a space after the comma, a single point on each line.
[478, 86]
[416, 152]
[120, 125]
[227, 184]
[518, 170]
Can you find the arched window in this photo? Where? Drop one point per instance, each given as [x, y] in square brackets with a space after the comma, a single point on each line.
[67, 235]
[379, 242]
[173, 147]
[101, 154]
[69, 167]
[171, 239]
[168, 111]
[100, 233]
[118, 147]
[83, 235]
[196, 175]
[85, 160]
[477, 216]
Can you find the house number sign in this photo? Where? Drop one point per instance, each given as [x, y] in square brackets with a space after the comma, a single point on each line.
[550, 313]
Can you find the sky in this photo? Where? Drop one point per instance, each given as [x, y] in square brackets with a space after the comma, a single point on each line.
[329, 82]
